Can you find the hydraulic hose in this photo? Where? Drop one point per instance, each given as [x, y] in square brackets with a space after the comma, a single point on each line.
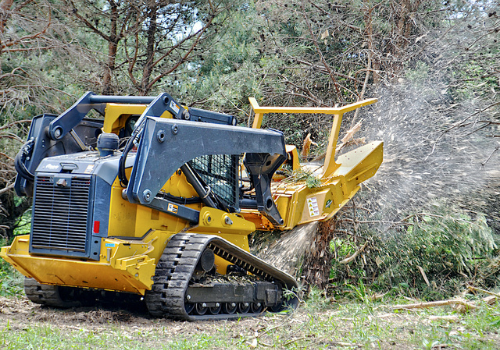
[128, 147]
[20, 159]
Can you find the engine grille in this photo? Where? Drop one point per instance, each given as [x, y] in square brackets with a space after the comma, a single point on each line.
[219, 172]
[60, 215]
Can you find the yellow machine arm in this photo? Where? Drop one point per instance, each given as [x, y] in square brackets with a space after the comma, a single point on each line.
[339, 179]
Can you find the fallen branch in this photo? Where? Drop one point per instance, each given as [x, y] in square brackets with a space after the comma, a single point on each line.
[422, 272]
[340, 343]
[453, 302]
[476, 289]
[294, 340]
[352, 257]
[377, 296]
[490, 300]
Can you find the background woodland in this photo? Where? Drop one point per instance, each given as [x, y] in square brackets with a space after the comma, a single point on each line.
[433, 65]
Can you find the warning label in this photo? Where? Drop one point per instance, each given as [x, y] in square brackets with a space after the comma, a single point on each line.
[172, 208]
[312, 204]
[174, 106]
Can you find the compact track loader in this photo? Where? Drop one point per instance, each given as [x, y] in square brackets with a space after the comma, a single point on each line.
[157, 200]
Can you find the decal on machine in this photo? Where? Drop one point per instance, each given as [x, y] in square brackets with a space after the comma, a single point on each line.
[312, 204]
[328, 203]
[172, 208]
[89, 169]
[174, 106]
[51, 166]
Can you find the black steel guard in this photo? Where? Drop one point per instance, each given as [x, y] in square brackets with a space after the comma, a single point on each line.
[166, 144]
[156, 106]
[75, 114]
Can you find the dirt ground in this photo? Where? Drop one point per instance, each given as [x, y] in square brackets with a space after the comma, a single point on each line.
[20, 312]
[328, 328]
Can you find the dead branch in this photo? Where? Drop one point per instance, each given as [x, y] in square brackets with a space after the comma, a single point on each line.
[491, 155]
[352, 257]
[7, 126]
[7, 188]
[27, 37]
[476, 289]
[426, 305]
[457, 124]
[422, 272]
[449, 318]
[6, 156]
[340, 343]
[322, 69]
[13, 137]
[377, 296]
[294, 340]
[318, 49]
[490, 300]
[348, 136]
[306, 146]
[311, 97]
[22, 5]
[183, 59]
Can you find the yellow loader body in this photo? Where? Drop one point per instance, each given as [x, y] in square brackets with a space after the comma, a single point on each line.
[105, 234]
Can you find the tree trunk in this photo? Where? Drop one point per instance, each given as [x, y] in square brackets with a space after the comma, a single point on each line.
[107, 88]
[303, 252]
[150, 51]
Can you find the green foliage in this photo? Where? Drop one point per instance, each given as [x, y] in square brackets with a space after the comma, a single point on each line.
[23, 226]
[316, 299]
[361, 293]
[419, 74]
[448, 248]
[302, 175]
[11, 281]
[312, 182]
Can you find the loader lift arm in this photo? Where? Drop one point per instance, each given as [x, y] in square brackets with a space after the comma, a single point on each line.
[181, 141]
[52, 135]
[70, 118]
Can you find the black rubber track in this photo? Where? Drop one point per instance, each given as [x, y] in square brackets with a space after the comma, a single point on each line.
[178, 263]
[49, 295]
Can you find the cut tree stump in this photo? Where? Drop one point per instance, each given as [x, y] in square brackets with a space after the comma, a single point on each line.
[303, 252]
[287, 253]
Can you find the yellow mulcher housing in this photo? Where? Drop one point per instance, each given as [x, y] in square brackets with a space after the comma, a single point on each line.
[164, 206]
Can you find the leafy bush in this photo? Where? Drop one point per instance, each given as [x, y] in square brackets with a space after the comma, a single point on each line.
[11, 281]
[444, 248]
[448, 247]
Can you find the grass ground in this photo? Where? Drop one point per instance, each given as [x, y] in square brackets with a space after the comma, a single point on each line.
[317, 324]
